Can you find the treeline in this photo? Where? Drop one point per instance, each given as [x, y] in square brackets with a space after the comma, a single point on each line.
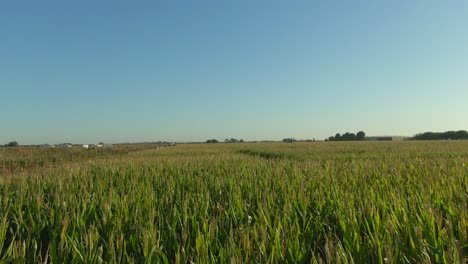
[233, 140]
[227, 140]
[11, 144]
[461, 134]
[347, 136]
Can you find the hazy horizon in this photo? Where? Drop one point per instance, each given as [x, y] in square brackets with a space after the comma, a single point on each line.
[112, 71]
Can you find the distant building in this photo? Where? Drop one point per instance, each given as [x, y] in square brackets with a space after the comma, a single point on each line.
[94, 146]
[386, 138]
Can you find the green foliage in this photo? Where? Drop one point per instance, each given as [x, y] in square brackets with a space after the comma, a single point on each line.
[347, 136]
[360, 135]
[233, 140]
[12, 144]
[391, 202]
[461, 134]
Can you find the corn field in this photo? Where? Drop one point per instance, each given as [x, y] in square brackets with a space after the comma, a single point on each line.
[309, 202]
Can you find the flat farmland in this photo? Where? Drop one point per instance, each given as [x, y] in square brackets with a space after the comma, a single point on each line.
[311, 202]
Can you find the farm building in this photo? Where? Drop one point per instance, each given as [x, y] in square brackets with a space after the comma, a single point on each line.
[386, 138]
[94, 146]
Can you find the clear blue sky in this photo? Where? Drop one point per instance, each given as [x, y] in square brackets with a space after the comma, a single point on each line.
[118, 71]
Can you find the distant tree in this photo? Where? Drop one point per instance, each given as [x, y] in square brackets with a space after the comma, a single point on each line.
[345, 136]
[12, 144]
[360, 135]
[241, 141]
[338, 137]
[348, 137]
[289, 140]
[461, 134]
[231, 140]
[212, 141]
